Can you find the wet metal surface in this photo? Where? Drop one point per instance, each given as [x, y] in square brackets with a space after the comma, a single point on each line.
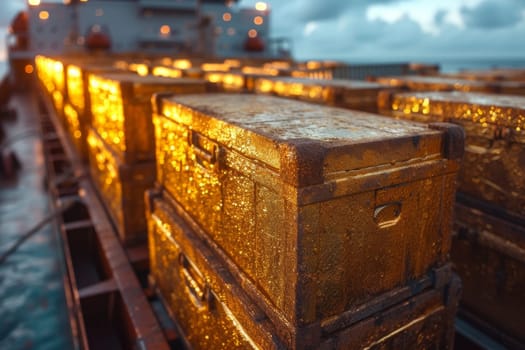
[33, 309]
[273, 183]
[494, 164]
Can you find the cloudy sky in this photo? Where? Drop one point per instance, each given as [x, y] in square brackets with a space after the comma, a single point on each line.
[401, 29]
[386, 30]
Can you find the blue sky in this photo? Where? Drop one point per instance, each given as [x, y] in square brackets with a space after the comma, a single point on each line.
[386, 30]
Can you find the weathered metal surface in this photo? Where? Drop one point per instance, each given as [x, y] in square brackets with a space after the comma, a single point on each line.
[494, 164]
[121, 110]
[122, 187]
[489, 255]
[353, 94]
[300, 196]
[437, 83]
[214, 311]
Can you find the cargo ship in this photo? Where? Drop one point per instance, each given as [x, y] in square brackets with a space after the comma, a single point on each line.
[210, 192]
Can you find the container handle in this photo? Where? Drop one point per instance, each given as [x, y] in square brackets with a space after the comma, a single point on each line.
[198, 294]
[388, 214]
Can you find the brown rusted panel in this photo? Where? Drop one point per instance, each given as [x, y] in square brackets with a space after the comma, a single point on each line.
[212, 311]
[337, 188]
[425, 321]
[489, 256]
[121, 110]
[494, 159]
[121, 187]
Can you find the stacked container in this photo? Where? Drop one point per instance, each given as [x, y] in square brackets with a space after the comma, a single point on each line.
[121, 143]
[281, 224]
[489, 245]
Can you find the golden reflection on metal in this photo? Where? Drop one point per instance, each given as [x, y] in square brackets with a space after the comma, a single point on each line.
[139, 68]
[229, 81]
[73, 122]
[161, 71]
[108, 111]
[260, 70]
[240, 202]
[306, 90]
[470, 109]
[215, 67]
[105, 174]
[209, 325]
[182, 64]
[75, 87]
[51, 73]
[58, 100]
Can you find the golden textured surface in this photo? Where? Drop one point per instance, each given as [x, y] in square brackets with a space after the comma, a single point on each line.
[207, 322]
[485, 109]
[494, 162]
[347, 93]
[233, 163]
[229, 81]
[108, 110]
[105, 174]
[121, 108]
[75, 87]
[73, 124]
[50, 72]
[160, 71]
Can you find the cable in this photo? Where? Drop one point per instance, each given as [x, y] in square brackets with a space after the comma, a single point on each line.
[34, 230]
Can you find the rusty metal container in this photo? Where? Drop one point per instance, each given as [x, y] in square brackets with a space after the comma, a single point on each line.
[494, 164]
[121, 110]
[489, 255]
[437, 83]
[121, 187]
[215, 312]
[352, 94]
[299, 195]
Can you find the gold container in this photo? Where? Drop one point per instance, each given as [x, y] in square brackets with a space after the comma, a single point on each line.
[121, 187]
[307, 200]
[78, 107]
[214, 311]
[494, 164]
[121, 110]
[352, 94]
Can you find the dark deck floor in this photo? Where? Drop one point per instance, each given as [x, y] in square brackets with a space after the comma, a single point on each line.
[33, 308]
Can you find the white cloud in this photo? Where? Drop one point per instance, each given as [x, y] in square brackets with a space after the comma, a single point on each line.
[309, 28]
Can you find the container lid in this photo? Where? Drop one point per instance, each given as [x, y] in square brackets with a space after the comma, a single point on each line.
[295, 137]
[339, 83]
[503, 110]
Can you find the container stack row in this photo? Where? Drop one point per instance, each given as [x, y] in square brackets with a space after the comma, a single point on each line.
[276, 220]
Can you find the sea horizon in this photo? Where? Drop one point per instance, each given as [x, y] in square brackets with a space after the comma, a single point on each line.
[446, 65]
